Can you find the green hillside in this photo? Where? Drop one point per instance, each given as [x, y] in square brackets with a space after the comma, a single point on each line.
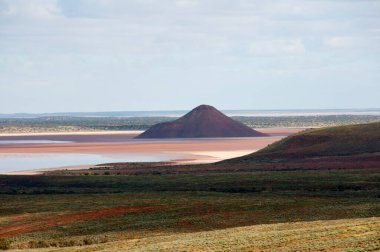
[323, 142]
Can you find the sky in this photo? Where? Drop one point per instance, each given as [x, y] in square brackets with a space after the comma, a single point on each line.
[121, 55]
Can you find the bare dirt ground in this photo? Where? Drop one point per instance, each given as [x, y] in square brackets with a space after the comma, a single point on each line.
[64, 219]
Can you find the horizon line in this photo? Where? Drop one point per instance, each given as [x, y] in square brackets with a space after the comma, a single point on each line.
[184, 110]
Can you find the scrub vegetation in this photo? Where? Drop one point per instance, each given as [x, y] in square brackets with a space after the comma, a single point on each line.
[70, 124]
[273, 200]
[67, 211]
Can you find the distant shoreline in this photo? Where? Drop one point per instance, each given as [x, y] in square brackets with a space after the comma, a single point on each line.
[95, 132]
[43, 170]
[118, 132]
[177, 113]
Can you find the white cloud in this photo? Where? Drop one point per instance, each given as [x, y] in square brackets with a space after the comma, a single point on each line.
[185, 3]
[151, 43]
[40, 9]
[351, 43]
[340, 42]
[277, 47]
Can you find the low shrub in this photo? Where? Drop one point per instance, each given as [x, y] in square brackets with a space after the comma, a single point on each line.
[38, 244]
[4, 244]
[87, 241]
[66, 243]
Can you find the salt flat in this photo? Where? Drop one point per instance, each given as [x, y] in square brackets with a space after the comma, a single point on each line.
[122, 147]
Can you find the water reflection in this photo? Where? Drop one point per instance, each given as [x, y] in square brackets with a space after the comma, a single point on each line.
[20, 161]
[31, 141]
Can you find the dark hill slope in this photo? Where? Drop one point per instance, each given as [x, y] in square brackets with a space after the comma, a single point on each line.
[203, 121]
[341, 141]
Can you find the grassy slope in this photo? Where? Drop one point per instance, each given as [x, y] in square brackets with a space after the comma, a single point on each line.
[333, 235]
[192, 202]
[323, 142]
[358, 182]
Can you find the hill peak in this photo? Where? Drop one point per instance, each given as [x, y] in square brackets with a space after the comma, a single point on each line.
[204, 107]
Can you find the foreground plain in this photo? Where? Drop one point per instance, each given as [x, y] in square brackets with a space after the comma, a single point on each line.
[333, 235]
[70, 211]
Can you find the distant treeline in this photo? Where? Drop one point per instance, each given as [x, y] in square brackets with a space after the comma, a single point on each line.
[306, 121]
[63, 123]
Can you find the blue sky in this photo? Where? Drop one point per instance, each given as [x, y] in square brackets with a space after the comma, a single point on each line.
[117, 55]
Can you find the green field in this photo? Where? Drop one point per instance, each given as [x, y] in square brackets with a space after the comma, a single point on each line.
[63, 211]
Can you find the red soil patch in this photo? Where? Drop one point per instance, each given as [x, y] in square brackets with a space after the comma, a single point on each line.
[19, 218]
[46, 223]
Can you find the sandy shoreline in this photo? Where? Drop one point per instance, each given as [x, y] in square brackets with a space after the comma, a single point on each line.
[189, 158]
[201, 150]
[110, 132]
[41, 171]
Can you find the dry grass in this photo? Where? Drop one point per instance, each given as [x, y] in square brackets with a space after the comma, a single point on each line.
[60, 220]
[334, 235]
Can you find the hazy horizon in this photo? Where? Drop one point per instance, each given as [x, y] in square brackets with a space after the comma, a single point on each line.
[142, 55]
[178, 113]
